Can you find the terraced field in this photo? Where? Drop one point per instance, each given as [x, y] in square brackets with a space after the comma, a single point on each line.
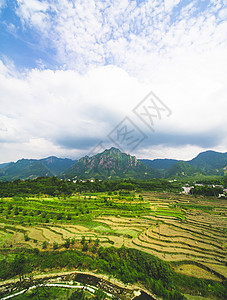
[189, 232]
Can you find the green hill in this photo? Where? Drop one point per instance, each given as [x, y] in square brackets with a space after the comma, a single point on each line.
[32, 168]
[209, 160]
[3, 165]
[183, 169]
[161, 164]
[112, 164]
[57, 165]
[24, 169]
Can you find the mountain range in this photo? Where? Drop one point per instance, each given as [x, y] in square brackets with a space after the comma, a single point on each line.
[32, 168]
[114, 164]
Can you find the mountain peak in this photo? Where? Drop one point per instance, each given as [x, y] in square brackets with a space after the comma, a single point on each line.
[113, 149]
[209, 160]
[111, 163]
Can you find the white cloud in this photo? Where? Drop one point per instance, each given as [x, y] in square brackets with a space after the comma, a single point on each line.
[92, 32]
[223, 14]
[63, 107]
[69, 112]
[170, 4]
[33, 12]
[112, 54]
[2, 4]
[35, 148]
[185, 152]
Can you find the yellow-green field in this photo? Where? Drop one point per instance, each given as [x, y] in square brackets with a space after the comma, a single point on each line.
[190, 232]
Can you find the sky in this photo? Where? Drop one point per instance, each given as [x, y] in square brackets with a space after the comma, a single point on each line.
[77, 77]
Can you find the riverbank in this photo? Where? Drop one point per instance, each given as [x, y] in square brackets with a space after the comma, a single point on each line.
[77, 279]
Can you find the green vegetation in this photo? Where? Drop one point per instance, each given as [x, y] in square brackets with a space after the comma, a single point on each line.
[49, 210]
[47, 224]
[57, 293]
[23, 170]
[183, 169]
[32, 168]
[128, 265]
[207, 190]
[210, 160]
[55, 187]
[111, 163]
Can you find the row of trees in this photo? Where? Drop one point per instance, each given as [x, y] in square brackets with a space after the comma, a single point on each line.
[207, 190]
[56, 187]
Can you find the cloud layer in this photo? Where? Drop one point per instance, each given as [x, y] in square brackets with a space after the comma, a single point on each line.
[108, 56]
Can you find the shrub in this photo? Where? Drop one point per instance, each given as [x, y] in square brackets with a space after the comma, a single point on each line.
[44, 245]
[26, 238]
[97, 242]
[94, 249]
[67, 243]
[55, 245]
[59, 217]
[85, 246]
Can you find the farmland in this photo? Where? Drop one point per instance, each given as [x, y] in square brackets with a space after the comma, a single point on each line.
[189, 232]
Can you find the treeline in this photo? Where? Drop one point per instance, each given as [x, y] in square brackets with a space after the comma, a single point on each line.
[41, 185]
[209, 180]
[207, 190]
[55, 187]
[128, 265]
[205, 180]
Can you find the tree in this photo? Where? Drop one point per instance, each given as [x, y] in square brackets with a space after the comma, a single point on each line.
[94, 249]
[19, 265]
[16, 211]
[55, 245]
[225, 181]
[99, 295]
[78, 295]
[59, 217]
[26, 238]
[97, 242]
[67, 243]
[85, 246]
[44, 245]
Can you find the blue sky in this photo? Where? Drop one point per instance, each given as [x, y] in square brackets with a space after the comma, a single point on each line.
[71, 71]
